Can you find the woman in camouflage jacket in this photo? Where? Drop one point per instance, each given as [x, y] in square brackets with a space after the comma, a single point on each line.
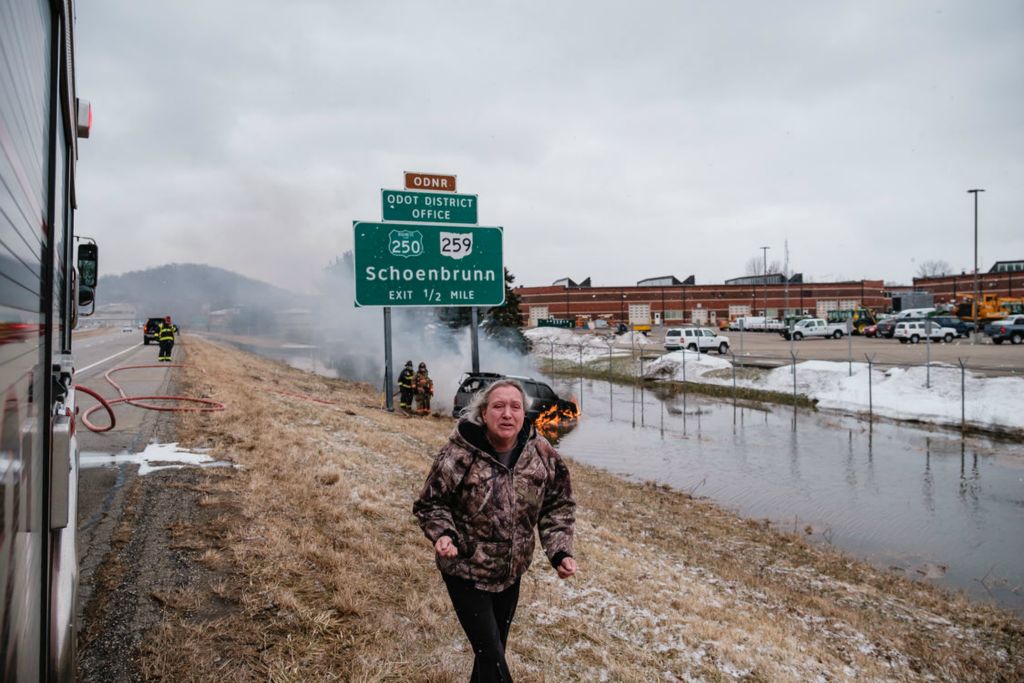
[494, 481]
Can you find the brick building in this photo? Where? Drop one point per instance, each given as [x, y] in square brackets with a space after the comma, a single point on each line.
[662, 301]
[1004, 278]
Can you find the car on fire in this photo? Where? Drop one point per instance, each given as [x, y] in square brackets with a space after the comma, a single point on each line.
[539, 396]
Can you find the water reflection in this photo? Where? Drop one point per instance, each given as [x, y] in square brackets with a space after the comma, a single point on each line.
[926, 503]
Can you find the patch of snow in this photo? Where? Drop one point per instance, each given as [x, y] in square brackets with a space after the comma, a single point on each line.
[168, 455]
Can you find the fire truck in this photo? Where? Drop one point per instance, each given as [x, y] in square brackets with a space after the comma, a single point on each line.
[41, 121]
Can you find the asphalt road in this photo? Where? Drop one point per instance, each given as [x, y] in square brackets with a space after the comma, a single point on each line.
[122, 518]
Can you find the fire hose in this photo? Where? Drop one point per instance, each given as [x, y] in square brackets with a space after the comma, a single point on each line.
[207, 405]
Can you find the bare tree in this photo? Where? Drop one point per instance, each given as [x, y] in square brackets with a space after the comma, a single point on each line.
[933, 269]
[755, 266]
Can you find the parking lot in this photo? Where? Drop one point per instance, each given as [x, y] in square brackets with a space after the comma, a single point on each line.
[768, 348]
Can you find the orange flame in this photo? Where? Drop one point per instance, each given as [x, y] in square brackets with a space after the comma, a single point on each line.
[558, 419]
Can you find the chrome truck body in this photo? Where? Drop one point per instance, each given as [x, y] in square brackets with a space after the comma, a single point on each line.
[40, 123]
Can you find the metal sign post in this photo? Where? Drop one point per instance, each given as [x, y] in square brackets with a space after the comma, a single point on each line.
[474, 340]
[389, 393]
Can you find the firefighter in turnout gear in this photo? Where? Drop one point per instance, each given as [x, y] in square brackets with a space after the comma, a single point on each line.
[406, 386]
[165, 335]
[424, 390]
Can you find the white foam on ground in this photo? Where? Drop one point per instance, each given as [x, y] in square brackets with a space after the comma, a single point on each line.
[168, 455]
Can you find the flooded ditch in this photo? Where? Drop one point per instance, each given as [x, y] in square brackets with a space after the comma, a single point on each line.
[925, 503]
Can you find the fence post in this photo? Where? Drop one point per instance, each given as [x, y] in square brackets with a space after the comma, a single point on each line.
[928, 344]
[963, 396]
[581, 376]
[684, 391]
[871, 401]
[609, 360]
[849, 347]
[733, 378]
[792, 356]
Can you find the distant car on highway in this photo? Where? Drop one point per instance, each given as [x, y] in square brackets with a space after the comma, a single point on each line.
[127, 328]
[1010, 328]
[149, 331]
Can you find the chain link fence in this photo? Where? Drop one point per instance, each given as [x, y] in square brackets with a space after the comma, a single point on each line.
[941, 384]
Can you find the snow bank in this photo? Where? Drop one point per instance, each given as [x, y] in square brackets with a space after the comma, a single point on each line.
[670, 366]
[902, 393]
[565, 344]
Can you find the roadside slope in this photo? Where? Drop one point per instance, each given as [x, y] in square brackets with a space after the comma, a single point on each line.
[314, 568]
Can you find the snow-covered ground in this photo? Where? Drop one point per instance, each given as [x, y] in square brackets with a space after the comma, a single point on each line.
[564, 344]
[898, 393]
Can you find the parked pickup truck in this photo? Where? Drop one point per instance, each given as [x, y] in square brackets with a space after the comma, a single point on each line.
[1011, 328]
[815, 327]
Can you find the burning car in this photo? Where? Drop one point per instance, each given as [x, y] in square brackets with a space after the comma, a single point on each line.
[544, 407]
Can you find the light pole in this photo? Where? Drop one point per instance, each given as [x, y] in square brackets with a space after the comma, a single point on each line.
[974, 304]
[764, 275]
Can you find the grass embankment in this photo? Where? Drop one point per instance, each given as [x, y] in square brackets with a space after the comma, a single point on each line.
[625, 370]
[324, 575]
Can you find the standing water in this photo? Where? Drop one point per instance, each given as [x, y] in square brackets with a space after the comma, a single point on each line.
[926, 503]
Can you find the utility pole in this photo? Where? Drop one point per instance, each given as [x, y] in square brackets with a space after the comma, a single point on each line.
[764, 275]
[974, 304]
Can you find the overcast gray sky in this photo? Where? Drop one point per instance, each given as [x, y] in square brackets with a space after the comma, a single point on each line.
[612, 140]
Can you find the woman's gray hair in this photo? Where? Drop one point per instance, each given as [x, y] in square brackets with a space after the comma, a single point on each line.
[475, 410]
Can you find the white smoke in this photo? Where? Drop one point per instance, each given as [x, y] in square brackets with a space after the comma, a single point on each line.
[351, 341]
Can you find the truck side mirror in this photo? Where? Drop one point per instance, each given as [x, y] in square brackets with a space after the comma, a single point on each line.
[88, 264]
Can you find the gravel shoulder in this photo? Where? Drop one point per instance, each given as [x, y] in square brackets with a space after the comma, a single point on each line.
[305, 564]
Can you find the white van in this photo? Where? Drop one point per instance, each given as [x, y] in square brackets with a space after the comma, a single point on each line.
[914, 313]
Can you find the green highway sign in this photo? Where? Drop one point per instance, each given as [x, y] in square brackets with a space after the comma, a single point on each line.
[428, 265]
[430, 207]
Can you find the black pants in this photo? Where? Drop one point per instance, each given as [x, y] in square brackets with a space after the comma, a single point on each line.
[165, 349]
[485, 617]
[405, 397]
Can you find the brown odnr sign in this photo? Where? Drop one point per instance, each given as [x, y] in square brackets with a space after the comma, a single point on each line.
[429, 181]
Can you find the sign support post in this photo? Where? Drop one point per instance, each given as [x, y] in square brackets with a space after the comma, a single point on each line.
[474, 341]
[389, 394]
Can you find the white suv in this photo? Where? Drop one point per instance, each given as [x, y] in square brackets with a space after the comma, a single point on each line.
[695, 338]
[915, 330]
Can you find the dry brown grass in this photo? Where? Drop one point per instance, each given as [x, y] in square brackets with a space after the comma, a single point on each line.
[323, 574]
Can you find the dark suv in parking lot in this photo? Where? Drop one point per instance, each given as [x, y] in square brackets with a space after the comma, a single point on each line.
[963, 329]
[539, 396]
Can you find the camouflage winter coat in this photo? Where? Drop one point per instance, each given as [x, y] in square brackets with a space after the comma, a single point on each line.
[490, 510]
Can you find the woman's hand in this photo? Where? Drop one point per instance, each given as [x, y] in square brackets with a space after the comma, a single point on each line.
[445, 548]
[566, 568]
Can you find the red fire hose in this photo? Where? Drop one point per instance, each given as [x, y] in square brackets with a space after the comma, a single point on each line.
[208, 405]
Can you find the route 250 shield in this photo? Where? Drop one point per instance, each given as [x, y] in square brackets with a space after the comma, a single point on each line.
[405, 243]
